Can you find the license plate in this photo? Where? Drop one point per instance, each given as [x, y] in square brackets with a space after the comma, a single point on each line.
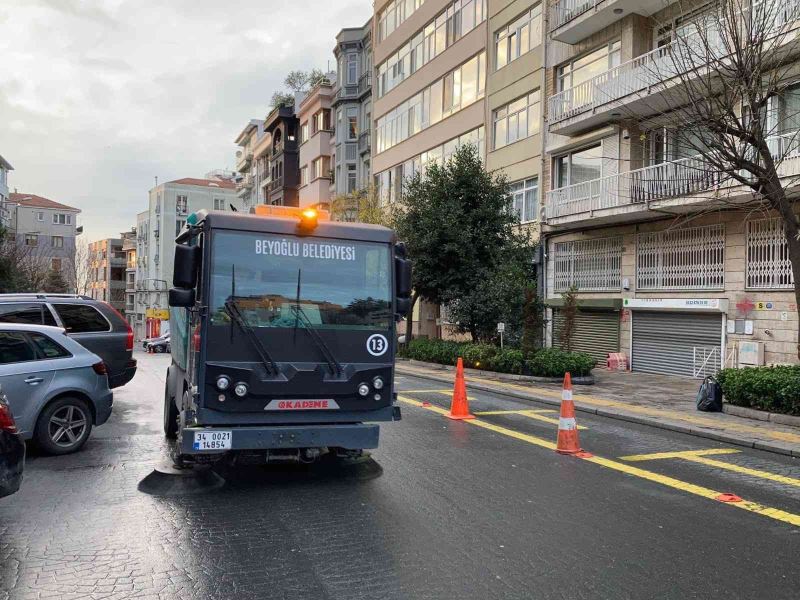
[212, 440]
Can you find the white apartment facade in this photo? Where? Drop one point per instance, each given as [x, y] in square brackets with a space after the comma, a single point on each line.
[5, 168]
[680, 289]
[169, 205]
[314, 137]
[249, 176]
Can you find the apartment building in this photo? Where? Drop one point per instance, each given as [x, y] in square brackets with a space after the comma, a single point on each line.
[129, 243]
[315, 134]
[284, 157]
[454, 72]
[352, 106]
[46, 229]
[107, 269]
[248, 179]
[5, 167]
[679, 288]
[169, 204]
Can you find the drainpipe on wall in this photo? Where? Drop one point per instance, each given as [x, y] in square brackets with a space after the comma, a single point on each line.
[541, 270]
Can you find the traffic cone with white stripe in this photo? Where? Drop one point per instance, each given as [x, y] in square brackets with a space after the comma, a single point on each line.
[567, 442]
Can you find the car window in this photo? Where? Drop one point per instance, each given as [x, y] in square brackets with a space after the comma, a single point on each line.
[14, 348]
[33, 313]
[81, 318]
[47, 347]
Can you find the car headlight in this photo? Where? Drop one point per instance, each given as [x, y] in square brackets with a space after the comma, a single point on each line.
[223, 383]
[240, 390]
[377, 383]
[363, 389]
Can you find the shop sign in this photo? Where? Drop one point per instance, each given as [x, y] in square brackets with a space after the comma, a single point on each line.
[713, 304]
[162, 314]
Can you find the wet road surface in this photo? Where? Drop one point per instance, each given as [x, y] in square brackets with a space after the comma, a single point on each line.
[447, 509]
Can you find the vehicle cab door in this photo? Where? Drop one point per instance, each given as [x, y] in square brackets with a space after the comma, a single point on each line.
[25, 377]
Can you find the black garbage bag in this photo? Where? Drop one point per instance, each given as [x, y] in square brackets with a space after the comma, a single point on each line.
[709, 396]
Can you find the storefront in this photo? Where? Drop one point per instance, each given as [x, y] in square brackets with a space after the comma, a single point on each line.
[672, 336]
[157, 322]
[597, 330]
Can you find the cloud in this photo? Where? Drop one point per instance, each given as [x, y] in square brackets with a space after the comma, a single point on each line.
[99, 97]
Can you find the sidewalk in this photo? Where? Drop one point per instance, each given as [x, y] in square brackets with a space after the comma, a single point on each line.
[656, 400]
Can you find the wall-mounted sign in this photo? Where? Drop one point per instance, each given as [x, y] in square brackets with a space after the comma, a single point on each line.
[765, 305]
[161, 314]
[710, 304]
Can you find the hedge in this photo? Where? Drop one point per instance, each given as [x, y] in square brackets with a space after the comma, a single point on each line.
[773, 389]
[549, 362]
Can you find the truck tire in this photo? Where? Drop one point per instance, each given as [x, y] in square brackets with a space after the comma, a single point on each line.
[170, 414]
[63, 426]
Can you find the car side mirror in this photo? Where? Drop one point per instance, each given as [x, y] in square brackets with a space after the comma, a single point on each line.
[187, 261]
[181, 297]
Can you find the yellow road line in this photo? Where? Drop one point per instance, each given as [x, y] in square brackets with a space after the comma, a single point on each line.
[513, 412]
[681, 454]
[425, 391]
[697, 490]
[588, 399]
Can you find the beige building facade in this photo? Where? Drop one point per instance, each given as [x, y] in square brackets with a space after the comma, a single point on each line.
[667, 270]
[316, 128]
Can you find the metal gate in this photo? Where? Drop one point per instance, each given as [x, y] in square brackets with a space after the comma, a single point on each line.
[671, 342]
[596, 332]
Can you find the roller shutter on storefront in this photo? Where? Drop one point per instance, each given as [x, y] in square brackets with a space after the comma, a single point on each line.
[596, 332]
[664, 342]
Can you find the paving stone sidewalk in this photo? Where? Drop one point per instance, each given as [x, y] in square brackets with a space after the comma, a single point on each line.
[657, 400]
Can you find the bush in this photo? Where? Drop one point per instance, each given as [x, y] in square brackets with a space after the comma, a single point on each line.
[507, 361]
[478, 356]
[442, 352]
[552, 362]
[773, 389]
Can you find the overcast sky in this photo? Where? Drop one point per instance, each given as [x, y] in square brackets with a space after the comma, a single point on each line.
[97, 97]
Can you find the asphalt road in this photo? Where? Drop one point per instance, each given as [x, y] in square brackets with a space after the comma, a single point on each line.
[482, 509]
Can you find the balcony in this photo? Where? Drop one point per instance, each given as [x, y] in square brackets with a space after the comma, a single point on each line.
[348, 92]
[365, 83]
[364, 142]
[245, 184]
[276, 184]
[243, 159]
[678, 186]
[575, 20]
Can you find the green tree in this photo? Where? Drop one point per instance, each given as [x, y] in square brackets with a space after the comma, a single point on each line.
[361, 206]
[281, 99]
[532, 322]
[460, 234]
[569, 314]
[55, 283]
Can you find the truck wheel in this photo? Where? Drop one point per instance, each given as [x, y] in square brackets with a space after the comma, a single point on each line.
[64, 426]
[170, 415]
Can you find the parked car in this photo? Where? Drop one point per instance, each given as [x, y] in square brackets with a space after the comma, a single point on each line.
[12, 451]
[158, 345]
[56, 388]
[96, 325]
[154, 340]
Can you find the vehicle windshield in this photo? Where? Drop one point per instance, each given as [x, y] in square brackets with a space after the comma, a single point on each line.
[341, 284]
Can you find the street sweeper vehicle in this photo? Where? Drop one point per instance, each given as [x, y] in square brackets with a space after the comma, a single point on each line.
[283, 336]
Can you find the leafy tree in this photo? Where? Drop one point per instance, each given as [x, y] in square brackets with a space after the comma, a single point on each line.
[296, 80]
[361, 206]
[532, 322]
[55, 283]
[569, 313]
[459, 231]
[281, 99]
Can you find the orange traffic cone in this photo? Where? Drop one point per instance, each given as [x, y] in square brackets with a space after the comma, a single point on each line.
[459, 409]
[567, 427]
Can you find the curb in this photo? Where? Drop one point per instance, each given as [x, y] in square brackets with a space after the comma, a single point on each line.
[777, 448]
[585, 380]
[761, 415]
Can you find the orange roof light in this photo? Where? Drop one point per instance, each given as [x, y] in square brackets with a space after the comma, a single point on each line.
[308, 218]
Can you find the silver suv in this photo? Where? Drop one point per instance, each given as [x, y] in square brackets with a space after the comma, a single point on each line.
[94, 324]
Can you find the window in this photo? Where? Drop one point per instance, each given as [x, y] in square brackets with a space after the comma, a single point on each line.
[579, 166]
[31, 239]
[40, 216]
[181, 205]
[37, 314]
[304, 132]
[219, 203]
[81, 318]
[14, 348]
[352, 68]
[55, 264]
[351, 179]
[690, 258]
[589, 265]
[768, 264]
[454, 21]
[62, 219]
[455, 91]
[518, 38]
[57, 241]
[394, 14]
[321, 121]
[352, 123]
[316, 168]
[46, 348]
[581, 70]
[303, 175]
[525, 199]
[179, 225]
[517, 120]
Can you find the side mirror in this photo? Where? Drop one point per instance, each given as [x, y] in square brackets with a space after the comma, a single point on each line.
[402, 306]
[187, 260]
[181, 297]
[402, 276]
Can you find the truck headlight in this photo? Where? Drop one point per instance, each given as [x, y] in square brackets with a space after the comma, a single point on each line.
[223, 383]
[377, 383]
[240, 390]
[363, 389]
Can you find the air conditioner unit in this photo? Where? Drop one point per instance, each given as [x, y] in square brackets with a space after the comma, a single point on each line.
[751, 354]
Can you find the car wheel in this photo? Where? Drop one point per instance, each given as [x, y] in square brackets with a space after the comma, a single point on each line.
[64, 426]
[170, 415]
[158, 349]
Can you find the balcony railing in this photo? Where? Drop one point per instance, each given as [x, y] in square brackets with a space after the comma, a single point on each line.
[276, 184]
[364, 142]
[566, 10]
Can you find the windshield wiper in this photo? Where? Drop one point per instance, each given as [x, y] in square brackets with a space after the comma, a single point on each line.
[300, 315]
[232, 310]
